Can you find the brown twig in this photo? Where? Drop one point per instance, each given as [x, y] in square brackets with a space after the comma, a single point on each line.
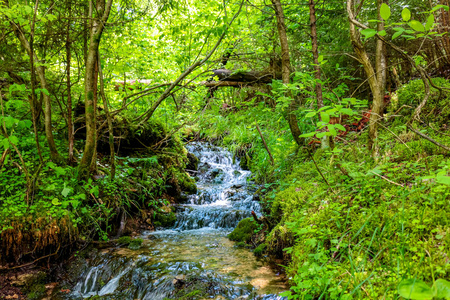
[265, 144]
[34, 261]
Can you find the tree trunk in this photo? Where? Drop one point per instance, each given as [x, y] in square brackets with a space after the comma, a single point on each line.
[286, 71]
[315, 52]
[371, 77]
[96, 31]
[70, 135]
[109, 119]
[46, 96]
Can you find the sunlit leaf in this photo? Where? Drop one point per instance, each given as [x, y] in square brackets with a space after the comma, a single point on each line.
[368, 32]
[385, 11]
[437, 7]
[414, 289]
[325, 117]
[406, 14]
[430, 22]
[309, 134]
[416, 25]
[441, 288]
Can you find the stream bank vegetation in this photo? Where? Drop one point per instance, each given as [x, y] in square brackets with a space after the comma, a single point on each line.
[343, 120]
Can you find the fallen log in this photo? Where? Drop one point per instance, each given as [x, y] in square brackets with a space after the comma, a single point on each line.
[131, 85]
[246, 76]
[223, 83]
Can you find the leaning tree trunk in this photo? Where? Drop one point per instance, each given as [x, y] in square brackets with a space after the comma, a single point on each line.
[40, 70]
[286, 70]
[375, 86]
[103, 9]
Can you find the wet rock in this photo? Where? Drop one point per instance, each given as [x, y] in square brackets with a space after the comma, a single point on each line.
[237, 186]
[179, 281]
[216, 172]
[193, 162]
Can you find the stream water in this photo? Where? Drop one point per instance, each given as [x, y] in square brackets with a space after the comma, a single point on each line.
[195, 252]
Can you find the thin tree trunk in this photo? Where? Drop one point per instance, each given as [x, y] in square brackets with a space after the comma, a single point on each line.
[371, 77]
[109, 119]
[103, 10]
[286, 70]
[46, 96]
[69, 93]
[33, 87]
[315, 52]
[272, 162]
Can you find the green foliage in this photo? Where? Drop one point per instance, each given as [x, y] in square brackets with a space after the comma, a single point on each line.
[410, 95]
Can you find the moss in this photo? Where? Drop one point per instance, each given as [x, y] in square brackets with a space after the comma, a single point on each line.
[35, 286]
[187, 183]
[135, 244]
[165, 219]
[124, 240]
[193, 162]
[259, 251]
[244, 231]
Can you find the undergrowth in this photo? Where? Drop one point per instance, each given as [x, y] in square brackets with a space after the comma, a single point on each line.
[349, 226]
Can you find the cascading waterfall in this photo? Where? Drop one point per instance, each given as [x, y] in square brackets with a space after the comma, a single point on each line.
[195, 249]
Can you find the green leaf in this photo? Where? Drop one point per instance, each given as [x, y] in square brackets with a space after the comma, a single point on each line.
[443, 179]
[430, 22]
[382, 32]
[397, 34]
[325, 117]
[415, 289]
[340, 127]
[385, 11]
[56, 202]
[368, 32]
[406, 14]
[441, 288]
[66, 191]
[13, 139]
[416, 25]
[309, 134]
[310, 114]
[320, 59]
[321, 134]
[444, 7]
[332, 130]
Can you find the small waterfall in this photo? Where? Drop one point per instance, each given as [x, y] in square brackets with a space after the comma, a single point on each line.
[222, 199]
[195, 249]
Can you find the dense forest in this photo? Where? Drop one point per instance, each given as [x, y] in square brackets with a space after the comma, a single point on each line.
[336, 112]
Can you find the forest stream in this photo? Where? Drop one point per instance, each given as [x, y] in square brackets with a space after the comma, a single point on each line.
[195, 255]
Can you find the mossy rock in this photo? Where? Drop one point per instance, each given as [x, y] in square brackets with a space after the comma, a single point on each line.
[187, 184]
[193, 162]
[124, 240]
[243, 231]
[259, 251]
[135, 244]
[165, 219]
